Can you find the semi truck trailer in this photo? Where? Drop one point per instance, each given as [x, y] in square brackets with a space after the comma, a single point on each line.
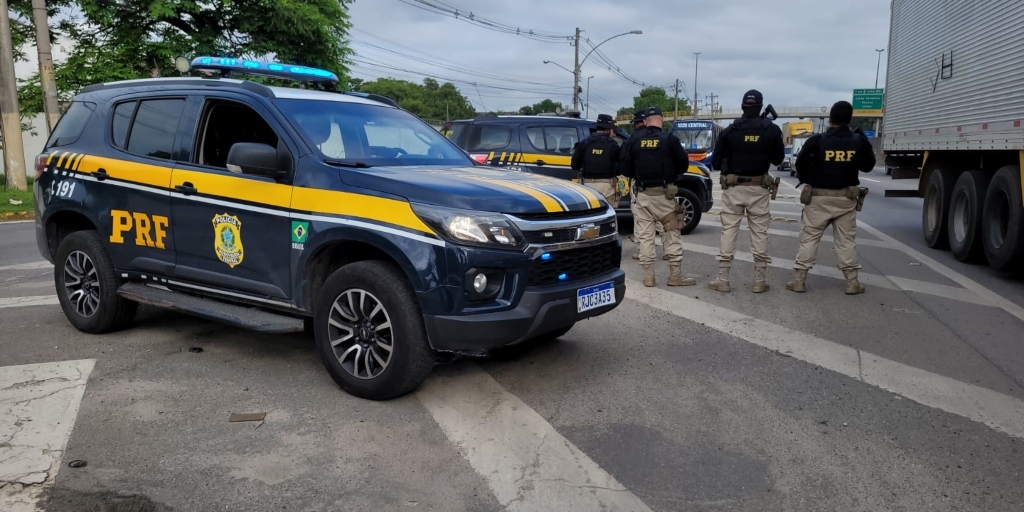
[953, 112]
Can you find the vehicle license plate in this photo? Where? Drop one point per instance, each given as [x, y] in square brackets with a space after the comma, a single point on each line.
[595, 296]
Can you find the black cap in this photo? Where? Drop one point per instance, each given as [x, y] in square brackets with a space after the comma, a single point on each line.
[605, 122]
[752, 98]
[639, 117]
[654, 111]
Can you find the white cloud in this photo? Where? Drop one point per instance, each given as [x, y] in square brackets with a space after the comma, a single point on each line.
[797, 53]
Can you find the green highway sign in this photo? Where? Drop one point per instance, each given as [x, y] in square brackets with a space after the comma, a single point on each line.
[868, 101]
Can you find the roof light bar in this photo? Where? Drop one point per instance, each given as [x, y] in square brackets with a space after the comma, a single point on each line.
[228, 65]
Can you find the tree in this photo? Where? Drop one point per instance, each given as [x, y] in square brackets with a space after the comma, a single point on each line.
[626, 111]
[545, 107]
[431, 100]
[124, 39]
[657, 97]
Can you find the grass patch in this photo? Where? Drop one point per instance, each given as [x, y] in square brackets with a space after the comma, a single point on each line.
[25, 196]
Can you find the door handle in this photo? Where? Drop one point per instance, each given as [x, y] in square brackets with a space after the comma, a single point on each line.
[101, 174]
[186, 188]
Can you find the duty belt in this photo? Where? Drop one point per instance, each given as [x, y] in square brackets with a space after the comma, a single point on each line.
[749, 180]
[831, 192]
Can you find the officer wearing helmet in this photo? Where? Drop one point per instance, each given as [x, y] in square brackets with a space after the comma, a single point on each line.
[744, 152]
[598, 157]
[654, 158]
[829, 164]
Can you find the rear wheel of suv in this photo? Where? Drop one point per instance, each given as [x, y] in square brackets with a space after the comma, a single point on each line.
[87, 285]
[370, 333]
[691, 210]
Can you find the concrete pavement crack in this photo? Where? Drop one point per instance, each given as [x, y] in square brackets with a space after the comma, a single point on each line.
[860, 367]
[27, 400]
[34, 382]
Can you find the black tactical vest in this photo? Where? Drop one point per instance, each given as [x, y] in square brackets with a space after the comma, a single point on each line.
[597, 157]
[749, 140]
[652, 158]
[836, 162]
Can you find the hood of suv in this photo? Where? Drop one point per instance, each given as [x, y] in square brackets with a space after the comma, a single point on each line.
[478, 188]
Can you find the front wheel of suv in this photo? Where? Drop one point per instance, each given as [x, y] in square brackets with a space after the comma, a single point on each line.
[370, 333]
[87, 285]
[691, 207]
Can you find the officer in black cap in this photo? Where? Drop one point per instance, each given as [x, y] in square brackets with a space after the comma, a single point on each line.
[744, 152]
[654, 159]
[598, 157]
[638, 124]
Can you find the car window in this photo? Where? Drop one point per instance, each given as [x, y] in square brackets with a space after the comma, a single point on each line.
[553, 139]
[490, 137]
[226, 123]
[376, 135]
[122, 119]
[152, 132]
[71, 124]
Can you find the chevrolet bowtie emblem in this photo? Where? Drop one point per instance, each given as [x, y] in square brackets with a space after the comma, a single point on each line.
[587, 232]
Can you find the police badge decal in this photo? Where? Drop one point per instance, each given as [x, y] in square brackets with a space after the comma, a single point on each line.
[227, 239]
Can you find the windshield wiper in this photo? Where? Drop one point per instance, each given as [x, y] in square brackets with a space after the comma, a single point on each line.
[347, 163]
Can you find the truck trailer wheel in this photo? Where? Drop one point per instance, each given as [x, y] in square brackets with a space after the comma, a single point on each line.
[369, 331]
[965, 211]
[1003, 221]
[935, 212]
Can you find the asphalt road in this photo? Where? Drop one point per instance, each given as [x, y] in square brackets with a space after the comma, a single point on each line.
[909, 397]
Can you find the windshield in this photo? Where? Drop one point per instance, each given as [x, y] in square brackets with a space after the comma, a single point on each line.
[370, 134]
[699, 139]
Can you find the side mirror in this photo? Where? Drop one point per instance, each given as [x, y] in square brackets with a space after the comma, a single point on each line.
[254, 158]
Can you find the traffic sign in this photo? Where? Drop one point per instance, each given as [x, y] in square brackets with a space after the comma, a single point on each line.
[869, 134]
[868, 102]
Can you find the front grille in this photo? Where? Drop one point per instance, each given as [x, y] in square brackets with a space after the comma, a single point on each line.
[560, 215]
[563, 235]
[575, 264]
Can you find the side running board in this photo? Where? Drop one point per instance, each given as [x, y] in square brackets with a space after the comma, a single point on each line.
[239, 316]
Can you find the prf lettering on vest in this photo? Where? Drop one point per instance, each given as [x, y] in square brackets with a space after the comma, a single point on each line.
[839, 156]
[597, 151]
[751, 138]
[150, 231]
[649, 143]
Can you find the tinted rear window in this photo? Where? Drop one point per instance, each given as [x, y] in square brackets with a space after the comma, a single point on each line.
[152, 133]
[71, 124]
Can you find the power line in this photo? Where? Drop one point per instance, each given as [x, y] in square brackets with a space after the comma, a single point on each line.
[467, 16]
[436, 76]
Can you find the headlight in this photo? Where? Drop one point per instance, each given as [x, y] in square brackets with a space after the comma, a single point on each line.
[469, 227]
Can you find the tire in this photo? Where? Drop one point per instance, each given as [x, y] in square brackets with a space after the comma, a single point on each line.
[935, 211]
[1002, 221]
[692, 214]
[87, 285]
[965, 212]
[389, 373]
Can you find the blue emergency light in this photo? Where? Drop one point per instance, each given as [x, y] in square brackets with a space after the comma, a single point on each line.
[227, 65]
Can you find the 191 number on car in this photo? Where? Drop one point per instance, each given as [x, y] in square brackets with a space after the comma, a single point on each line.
[63, 188]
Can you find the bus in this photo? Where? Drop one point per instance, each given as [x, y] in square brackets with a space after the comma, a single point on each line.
[698, 138]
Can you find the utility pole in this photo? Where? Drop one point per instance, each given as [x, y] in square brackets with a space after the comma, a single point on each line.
[695, 97]
[50, 106]
[14, 148]
[576, 74]
[675, 114]
[713, 106]
[587, 116]
[878, 66]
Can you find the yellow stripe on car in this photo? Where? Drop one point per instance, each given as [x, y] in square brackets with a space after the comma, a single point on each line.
[380, 209]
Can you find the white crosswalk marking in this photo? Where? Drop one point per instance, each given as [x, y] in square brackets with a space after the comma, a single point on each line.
[526, 462]
[38, 407]
[28, 266]
[36, 300]
[999, 411]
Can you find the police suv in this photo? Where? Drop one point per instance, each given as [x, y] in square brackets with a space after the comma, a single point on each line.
[544, 145]
[282, 209]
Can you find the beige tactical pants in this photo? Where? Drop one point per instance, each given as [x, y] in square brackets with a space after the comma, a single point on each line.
[841, 212]
[605, 188]
[750, 201]
[651, 207]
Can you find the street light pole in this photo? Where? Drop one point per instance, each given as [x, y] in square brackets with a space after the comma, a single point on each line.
[878, 66]
[588, 96]
[695, 107]
[576, 70]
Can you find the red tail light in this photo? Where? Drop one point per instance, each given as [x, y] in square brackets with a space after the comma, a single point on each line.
[41, 164]
[479, 157]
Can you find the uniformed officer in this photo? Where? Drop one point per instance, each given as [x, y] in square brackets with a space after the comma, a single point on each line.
[654, 158]
[744, 152]
[598, 157]
[638, 125]
[828, 164]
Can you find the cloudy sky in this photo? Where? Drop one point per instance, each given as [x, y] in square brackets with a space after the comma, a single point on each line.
[799, 53]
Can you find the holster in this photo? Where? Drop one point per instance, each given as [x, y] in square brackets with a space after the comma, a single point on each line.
[727, 180]
[805, 195]
[862, 192]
